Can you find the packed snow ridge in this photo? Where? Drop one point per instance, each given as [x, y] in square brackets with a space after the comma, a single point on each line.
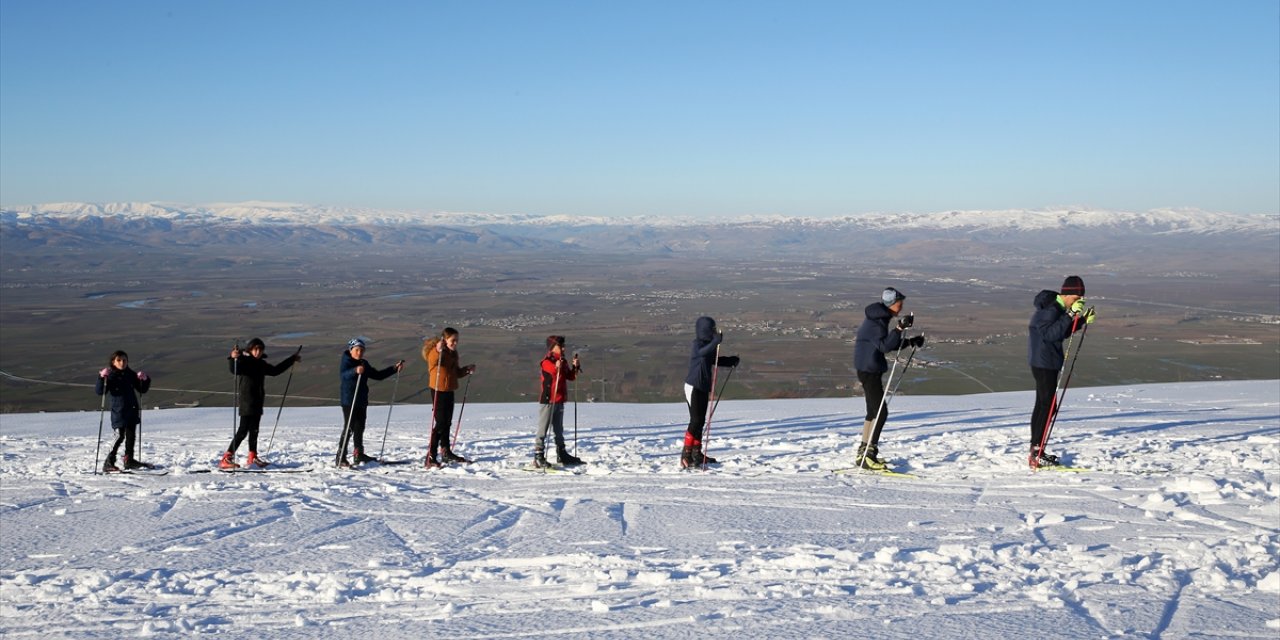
[277, 213]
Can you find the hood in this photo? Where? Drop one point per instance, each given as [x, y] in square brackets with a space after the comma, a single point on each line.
[1046, 299]
[705, 329]
[877, 311]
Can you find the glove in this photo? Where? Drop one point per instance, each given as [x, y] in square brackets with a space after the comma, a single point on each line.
[1090, 316]
[142, 375]
[106, 371]
[730, 361]
[1077, 306]
[906, 321]
[916, 342]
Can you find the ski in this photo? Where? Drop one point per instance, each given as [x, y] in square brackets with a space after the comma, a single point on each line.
[150, 471]
[882, 472]
[1063, 469]
[271, 469]
[547, 469]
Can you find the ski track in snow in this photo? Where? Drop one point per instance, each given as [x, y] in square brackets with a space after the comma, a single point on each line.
[1174, 532]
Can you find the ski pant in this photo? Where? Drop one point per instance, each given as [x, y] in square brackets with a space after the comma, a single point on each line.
[697, 400]
[248, 428]
[1046, 397]
[442, 412]
[873, 391]
[124, 435]
[355, 416]
[550, 415]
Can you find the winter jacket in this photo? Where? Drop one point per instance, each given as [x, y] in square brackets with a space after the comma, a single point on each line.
[121, 385]
[875, 339]
[702, 354]
[555, 371]
[352, 396]
[251, 376]
[1050, 325]
[443, 371]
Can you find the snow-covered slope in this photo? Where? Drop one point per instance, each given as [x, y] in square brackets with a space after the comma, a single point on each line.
[1174, 533]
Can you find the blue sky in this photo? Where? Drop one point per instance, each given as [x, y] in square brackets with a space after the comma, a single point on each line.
[627, 108]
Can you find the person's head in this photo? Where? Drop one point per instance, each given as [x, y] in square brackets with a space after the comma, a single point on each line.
[119, 360]
[1072, 290]
[705, 328]
[449, 337]
[356, 348]
[555, 344]
[893, 299]
[256, 348]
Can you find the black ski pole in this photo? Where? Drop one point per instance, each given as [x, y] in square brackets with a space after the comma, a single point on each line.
[346, 428]
[575, 406]
[102, 413]
[720, 394]
[1062, 394]
[288, 381]
[394, 387]
[458, 427]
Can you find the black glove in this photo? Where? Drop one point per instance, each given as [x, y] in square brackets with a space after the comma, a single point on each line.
[916, 342]
[906, 321]
[730, 361]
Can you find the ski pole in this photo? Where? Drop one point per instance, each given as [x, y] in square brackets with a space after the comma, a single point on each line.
[721, 393]
[458, 427]
[394, 388]
[435, 392]
[575, 407]
[1053, 402]
[102, 412]
[901, 376]
[1062, 394]
[346, 429]
[288, 381]
[706, 432]
[235, 393]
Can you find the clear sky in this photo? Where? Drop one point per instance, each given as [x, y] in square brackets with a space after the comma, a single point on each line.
[602, 107]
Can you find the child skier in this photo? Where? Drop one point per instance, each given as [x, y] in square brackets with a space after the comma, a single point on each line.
[555, 374]
[443, 373]
[874, 340]
[1057, 316]
[697, 388]
[354, 373]
[251, 369]
[123, 385]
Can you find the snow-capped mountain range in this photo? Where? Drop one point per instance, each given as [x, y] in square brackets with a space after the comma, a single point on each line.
[276, 213]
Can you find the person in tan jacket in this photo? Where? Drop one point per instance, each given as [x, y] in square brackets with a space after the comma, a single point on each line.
[443, 373]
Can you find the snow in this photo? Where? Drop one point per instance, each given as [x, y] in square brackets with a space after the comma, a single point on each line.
[1174, 532]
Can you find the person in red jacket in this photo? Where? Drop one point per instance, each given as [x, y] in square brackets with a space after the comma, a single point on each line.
[556, 372]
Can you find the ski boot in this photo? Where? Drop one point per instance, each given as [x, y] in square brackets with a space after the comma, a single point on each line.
[690, 458]
[361, 458]
[109, 465]
[130, 463]
[566, 459]
[866, 458]
[705, 459]
[228, 461]
[449, 456]
[255, 461]
[540, 461]
[1043, 460]
[431, 462]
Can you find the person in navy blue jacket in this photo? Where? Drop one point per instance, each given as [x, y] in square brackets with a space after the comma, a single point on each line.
[697, 388]
[875, 339]
[1057, 316]
[251, 369]
[355, 372]
[123, 385]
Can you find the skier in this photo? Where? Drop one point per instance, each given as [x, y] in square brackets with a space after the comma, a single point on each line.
[697, 388]
[874, 340]
[354, 373]
[123, 385]
[443, 373]
[251, 369]
[555, 374]
[1057, 316]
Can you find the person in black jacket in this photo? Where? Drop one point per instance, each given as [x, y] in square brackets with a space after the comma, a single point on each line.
[875, 339]
[1057, 316]
[251, 369]
[123, 385]
[697, 388]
